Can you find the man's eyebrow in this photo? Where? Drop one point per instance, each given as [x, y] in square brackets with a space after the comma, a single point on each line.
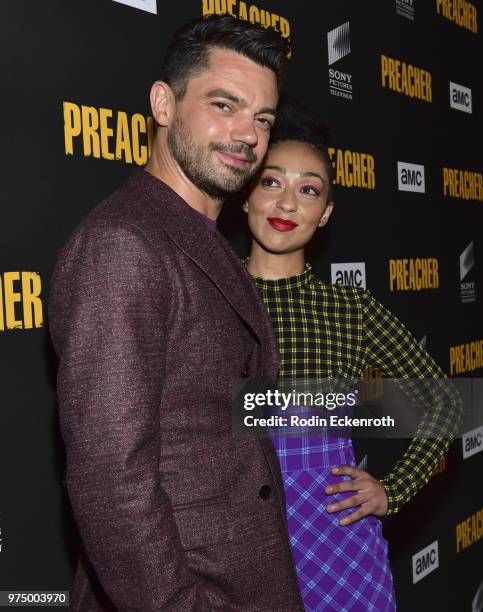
[223, 93]
[267, 110]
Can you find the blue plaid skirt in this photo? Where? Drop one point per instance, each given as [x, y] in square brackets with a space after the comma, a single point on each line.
[339, 568]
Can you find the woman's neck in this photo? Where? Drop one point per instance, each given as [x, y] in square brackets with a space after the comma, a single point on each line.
[273, 266]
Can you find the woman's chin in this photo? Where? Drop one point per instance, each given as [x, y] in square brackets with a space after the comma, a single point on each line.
[278, 249]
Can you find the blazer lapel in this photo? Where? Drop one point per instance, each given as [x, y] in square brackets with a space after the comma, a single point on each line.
[213, 255]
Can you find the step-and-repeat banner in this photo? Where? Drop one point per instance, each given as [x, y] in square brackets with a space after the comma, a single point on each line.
[399, 85]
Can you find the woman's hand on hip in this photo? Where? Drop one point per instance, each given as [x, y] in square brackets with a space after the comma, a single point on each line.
[370, 494]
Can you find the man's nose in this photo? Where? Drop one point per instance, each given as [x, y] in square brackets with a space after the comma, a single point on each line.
[244, 131]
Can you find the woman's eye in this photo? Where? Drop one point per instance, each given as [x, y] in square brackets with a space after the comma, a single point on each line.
[309, 190]
[269, 182]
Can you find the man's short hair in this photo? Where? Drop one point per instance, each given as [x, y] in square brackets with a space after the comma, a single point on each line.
[189, 49]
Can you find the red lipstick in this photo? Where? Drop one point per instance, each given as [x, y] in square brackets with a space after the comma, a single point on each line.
[282, 225]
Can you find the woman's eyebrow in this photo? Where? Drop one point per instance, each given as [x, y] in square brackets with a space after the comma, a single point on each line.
[312, 174]
[277, 168]
[284, 171]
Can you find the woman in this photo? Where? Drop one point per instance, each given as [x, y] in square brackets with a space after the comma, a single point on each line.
[329, 331]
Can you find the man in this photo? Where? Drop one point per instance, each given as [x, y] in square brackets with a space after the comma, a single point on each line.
[153, 318]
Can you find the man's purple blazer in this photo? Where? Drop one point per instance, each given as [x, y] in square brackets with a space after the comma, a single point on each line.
[153, 317]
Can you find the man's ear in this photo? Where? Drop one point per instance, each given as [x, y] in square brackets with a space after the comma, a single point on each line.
[162, 103]
[327, 212]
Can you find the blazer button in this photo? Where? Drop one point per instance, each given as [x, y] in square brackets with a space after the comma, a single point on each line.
[244, 373]
[265, 491]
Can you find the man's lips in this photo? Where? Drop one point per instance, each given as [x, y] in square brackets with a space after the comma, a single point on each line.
[235, 160]
[282, 225]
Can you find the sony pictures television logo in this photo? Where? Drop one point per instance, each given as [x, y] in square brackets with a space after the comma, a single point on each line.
[352, 274]
[460, 97]
[467, 262]
[338, 47]
[145, 5]
[425, 561]
[410, 177]
[405, 8]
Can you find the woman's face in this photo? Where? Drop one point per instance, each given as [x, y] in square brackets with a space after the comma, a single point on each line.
[288, 201]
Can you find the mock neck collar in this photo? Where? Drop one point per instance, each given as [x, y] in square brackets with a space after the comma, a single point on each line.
[290, 282]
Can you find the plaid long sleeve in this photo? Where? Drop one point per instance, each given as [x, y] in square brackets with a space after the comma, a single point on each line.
[334, 331]
[393, 349]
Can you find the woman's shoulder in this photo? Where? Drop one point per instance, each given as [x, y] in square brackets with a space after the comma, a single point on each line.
[339, 293]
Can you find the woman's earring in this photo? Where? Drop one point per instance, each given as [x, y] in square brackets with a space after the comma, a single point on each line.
[245, 206]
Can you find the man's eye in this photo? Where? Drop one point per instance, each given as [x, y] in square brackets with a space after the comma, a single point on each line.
[222, 105]
[265, 122]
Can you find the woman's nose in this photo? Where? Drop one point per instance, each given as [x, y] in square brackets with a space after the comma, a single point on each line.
[288, 202]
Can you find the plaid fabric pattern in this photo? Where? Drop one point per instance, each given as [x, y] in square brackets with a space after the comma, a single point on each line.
[338, 568]
[337, 331]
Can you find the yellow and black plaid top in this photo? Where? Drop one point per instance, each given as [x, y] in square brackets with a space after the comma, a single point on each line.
[335, 331]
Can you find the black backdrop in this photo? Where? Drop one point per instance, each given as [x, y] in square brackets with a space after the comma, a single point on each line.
[65, 61]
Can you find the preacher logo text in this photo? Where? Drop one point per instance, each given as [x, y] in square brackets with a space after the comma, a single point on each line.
[248, 12]
[460, 12]
[353, 169]
[413, 274]
[463, 184]
[469, 531]
[466, 357]
[104, 133]
[406, 79]
[20, 301]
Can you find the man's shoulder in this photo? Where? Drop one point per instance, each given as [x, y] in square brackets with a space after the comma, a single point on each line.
[124, 207]
[124, 211]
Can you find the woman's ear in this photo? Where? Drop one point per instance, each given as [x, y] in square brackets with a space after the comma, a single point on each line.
[326, 214]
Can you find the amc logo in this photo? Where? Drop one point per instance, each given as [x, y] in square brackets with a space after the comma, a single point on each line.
[410, 177]
[460, 97]
[472, 442]
[352, 274]
[425, 561]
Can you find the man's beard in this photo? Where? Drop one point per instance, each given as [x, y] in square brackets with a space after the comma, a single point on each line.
[196, 162]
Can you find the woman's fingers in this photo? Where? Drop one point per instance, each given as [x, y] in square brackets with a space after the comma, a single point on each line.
[370, 495]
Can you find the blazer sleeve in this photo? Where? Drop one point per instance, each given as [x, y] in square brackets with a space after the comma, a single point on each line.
[393, 349]
[108, 315]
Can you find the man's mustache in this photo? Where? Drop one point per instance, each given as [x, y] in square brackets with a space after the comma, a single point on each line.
[237, 149]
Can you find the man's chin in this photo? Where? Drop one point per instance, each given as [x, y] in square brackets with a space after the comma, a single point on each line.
[233, 182]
